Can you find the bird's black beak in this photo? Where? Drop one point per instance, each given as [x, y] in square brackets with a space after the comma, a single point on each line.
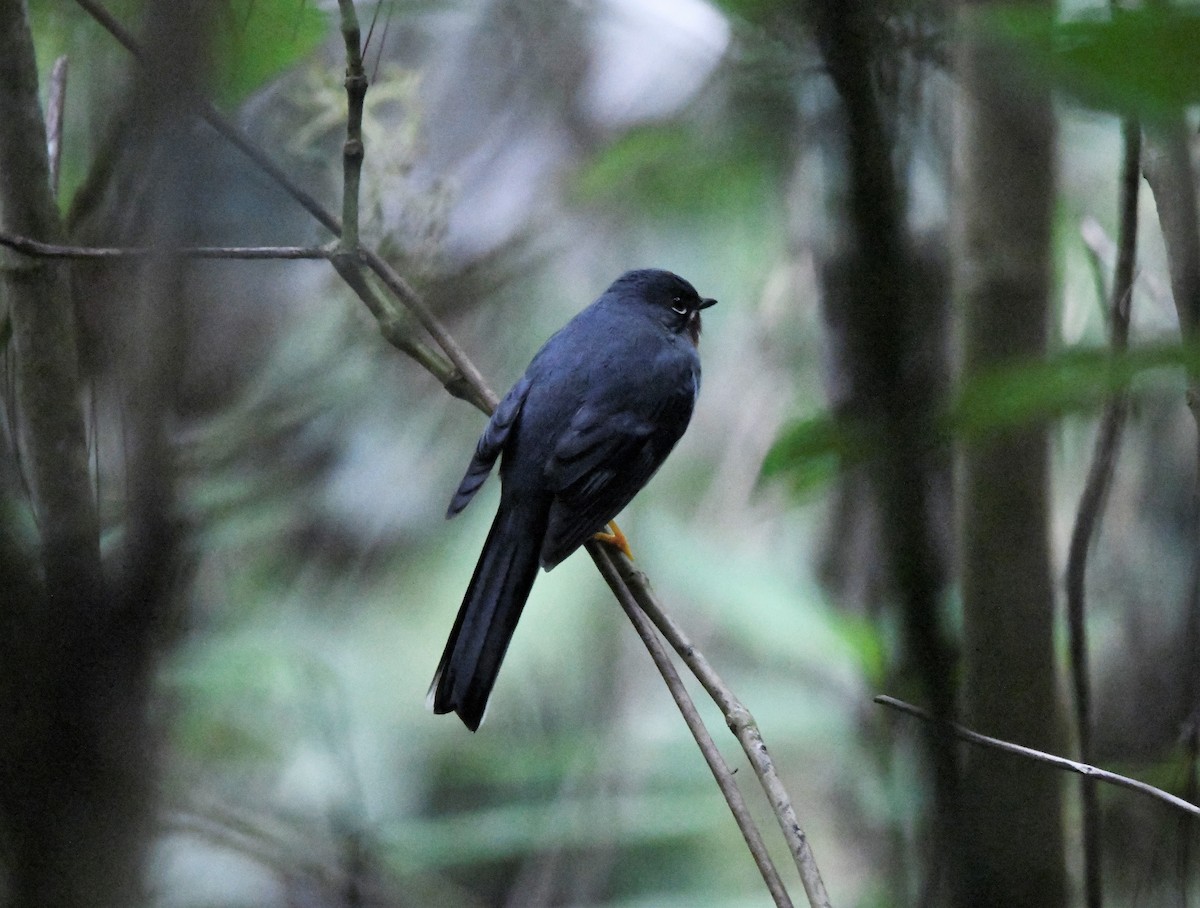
[705, 303]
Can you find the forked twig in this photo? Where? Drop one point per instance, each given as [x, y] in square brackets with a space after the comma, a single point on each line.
[607, 564]
[740, 722]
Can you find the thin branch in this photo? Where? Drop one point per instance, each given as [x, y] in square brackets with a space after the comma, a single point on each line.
[1093, 499]
[740, 722]
[55, 104]
[352, 150]
[470, 384]
[38, 249]
[712, 756]
[1040, 756]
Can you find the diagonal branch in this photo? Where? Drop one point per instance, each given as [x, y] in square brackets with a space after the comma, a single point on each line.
[607, 563]
[740, 722]
[56, 98]
[1040, 756]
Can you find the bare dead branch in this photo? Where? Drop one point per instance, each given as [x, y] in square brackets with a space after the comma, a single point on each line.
[38, 249]
[1040, 756]
[708, 748]
[740, 722]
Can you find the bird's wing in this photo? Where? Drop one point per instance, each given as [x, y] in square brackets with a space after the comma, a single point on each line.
[490, 444]
[603, 460]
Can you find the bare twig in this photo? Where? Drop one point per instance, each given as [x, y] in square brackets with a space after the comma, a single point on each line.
[1092, 501]
[1040, 756]
[352, 150]
[720, 770]
[36, 248]
[740, 722]
[55, 103]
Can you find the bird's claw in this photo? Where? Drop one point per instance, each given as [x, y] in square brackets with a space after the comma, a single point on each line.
[615, 537]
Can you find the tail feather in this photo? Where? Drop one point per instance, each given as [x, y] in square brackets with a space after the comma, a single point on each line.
[489, 613]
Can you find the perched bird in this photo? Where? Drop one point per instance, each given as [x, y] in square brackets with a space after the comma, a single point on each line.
[595, 414]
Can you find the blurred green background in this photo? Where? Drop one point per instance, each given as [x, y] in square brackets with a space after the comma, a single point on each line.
[520, 155]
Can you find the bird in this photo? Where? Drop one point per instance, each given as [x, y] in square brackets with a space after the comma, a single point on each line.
[595, 414]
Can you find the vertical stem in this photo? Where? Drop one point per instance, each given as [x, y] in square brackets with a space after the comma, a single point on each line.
[1091, 506]
[352, 150]
[43, 329]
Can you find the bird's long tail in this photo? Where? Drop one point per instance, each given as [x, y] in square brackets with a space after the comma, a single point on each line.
[489, 614]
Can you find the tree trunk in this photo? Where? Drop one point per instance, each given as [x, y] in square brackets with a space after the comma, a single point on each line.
[890, 395]
[1005, 198]
[77, 654]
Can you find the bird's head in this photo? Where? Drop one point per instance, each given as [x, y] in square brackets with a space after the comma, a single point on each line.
[671, 299]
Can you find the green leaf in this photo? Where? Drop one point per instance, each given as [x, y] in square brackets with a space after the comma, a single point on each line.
[810, 452]
[674, 170]
[1141, 61]
[813, 448]
[1072, 381]
[256, 40]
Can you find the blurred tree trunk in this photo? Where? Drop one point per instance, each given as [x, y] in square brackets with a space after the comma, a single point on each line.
[889, 392]
[1005, 199]
[63, 826]
[76, 653]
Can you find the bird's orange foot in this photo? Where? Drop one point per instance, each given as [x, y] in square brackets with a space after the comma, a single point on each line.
[615, 537]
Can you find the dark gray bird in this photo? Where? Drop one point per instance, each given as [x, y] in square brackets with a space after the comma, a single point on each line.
[595, 414]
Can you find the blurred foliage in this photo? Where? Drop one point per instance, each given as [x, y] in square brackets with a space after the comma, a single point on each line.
[256, 40]
[676, 170]
[812, 449]
[325, 580]
[1139, 61]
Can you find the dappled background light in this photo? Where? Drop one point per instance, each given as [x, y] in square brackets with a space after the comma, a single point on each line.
[519, 157]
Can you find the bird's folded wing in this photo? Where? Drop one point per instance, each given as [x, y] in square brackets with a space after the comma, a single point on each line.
[599, 464]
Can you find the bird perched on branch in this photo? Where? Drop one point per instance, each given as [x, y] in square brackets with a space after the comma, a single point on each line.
[595, 414]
